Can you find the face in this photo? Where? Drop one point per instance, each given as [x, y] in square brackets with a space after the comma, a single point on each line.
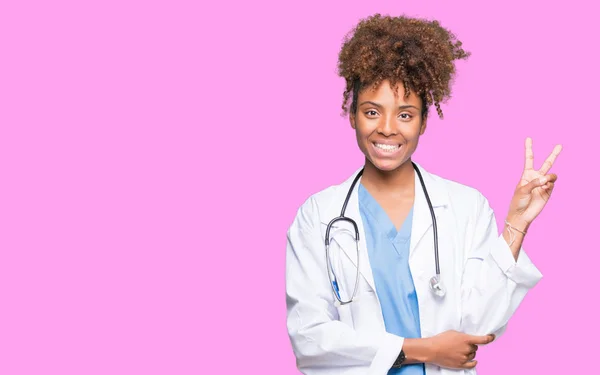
[388, 127]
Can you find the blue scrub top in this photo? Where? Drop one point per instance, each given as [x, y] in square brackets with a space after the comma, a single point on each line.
[388, 254]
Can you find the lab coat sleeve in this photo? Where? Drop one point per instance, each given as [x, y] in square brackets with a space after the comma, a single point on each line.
[321, 343]
[493, 283]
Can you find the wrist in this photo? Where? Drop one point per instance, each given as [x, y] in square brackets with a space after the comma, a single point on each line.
[518, 223]
[418, 350]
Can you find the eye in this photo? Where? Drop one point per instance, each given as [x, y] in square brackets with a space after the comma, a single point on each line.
[406, 116]
[371, 113]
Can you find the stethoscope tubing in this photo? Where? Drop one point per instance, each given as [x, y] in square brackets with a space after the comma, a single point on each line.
[344, 218]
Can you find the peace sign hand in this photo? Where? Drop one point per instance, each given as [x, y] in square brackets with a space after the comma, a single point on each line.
[534, 189]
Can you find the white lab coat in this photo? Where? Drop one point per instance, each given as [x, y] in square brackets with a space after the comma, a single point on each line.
[484, 285]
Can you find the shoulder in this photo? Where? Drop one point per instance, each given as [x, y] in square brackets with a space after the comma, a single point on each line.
[319, 203]
[461, 197]
[459, 191]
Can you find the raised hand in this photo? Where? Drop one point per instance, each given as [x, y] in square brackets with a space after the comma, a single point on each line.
[534, 189]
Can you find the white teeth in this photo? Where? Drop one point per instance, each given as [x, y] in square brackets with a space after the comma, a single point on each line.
[387, 147]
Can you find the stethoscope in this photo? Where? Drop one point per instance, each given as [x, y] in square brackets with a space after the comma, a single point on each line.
[435, 283]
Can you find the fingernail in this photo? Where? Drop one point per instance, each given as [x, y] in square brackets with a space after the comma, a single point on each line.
[543, 180]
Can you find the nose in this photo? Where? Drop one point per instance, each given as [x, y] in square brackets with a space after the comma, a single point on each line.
[387, 126]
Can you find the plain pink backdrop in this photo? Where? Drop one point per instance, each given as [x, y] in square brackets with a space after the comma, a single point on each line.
[153, 155]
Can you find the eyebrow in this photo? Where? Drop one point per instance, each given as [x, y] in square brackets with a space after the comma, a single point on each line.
[379, 105]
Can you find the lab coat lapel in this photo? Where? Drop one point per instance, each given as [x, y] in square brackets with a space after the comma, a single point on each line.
[422, 221]
[353, 212]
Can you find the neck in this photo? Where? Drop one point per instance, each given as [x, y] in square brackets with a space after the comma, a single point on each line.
[400, 181]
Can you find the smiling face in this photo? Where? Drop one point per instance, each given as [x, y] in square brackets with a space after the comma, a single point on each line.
[388, 126]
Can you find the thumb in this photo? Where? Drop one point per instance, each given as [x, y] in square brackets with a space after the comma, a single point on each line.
[481, 340]
[533, 184]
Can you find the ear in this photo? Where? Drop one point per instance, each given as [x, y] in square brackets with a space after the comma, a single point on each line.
[423, 125]
[352, 120]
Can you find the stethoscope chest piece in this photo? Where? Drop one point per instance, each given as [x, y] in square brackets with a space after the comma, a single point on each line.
[435, 283]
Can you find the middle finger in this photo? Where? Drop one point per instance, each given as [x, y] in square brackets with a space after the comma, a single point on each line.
[550, 160]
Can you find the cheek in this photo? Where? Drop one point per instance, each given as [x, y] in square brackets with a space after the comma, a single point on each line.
[412, 132]
[362, 134]
[413, 136]
[362, 139]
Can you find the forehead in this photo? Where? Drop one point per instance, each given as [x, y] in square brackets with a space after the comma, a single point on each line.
[384, 94]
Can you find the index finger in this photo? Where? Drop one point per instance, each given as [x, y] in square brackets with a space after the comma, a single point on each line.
[551, 159]
[528, 153]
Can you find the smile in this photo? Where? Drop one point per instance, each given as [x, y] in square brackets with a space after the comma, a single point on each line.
[388, 148]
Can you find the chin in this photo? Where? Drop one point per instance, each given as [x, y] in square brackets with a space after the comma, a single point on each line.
[386, 165]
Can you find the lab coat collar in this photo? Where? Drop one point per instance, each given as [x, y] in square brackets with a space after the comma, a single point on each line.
[421, 215]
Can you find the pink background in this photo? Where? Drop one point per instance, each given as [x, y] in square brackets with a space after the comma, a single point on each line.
[153, 154]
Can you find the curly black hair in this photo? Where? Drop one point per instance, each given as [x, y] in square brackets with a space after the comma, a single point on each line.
[415, 52]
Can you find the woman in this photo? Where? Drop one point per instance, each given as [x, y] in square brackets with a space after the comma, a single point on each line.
[388, 303]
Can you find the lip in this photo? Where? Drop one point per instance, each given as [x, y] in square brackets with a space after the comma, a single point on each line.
[386, 154]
